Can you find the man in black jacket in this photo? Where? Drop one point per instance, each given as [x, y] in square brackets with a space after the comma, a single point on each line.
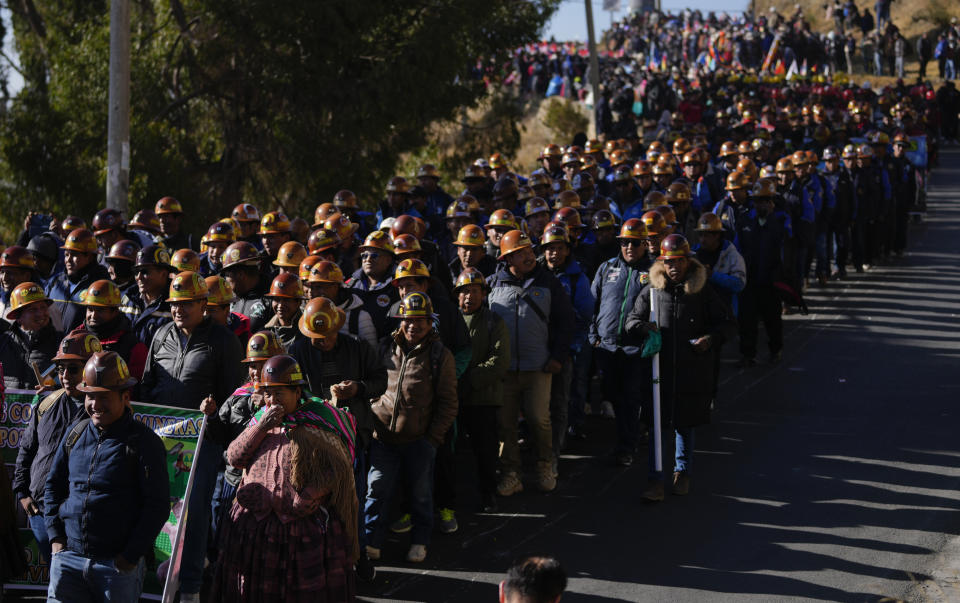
[192, 358]
[339, 365]
[51, 416]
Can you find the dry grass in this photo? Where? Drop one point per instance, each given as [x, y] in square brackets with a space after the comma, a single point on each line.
[913, 17]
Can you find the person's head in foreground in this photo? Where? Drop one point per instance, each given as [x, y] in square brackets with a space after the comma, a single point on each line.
[534, 580]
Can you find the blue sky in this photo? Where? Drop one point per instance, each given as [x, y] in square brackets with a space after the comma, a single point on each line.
[569, 22]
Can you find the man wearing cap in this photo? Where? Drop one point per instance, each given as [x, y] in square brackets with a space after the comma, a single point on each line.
[17, 265]
[219, 236]
[693, 322]
[53, 413]
[615, 286]
[27, 348]
[840, 181]
[275, 230]
[372, 281]
[110, 228]
[471, 251]
[192, 358]
[538, 314]
[152, 272]
[80, 270]
[107, 495]
[725, 266]
[437, 199]
[120, 260]
[111, 326]
[45, 247]
[170, 213]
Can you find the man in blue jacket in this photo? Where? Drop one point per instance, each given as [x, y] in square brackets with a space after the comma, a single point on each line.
[107, 495]
[569, 386]
[625, 373]
[538, 314]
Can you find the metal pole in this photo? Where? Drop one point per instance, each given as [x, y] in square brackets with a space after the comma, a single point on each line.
[118, 120]
[657, 436]
[594, 66]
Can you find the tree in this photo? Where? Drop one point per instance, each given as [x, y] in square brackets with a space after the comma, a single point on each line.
[279, 103]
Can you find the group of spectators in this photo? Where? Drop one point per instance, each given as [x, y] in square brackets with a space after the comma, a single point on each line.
[344, 358]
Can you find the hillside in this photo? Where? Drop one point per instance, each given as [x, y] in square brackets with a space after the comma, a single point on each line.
[913, 17]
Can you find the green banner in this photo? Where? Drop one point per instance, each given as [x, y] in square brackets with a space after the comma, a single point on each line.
[177, 427]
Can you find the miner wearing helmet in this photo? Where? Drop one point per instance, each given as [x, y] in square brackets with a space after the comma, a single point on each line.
[569, 387]
[481, 389]
[693, 322]
[30, 340]
[102, 302]
[241, 268]
[17, 265]
[615, 286]
[171, 214]
[763, 239]
[873, 193]
[357, 376]
[411, 419]
[840, 180]
[372, 281]
[192, 358]
[101, 534]
[151, 270]
[728, 273]
[734, 204]
[538, 313]
[54, 413]
[80, 270]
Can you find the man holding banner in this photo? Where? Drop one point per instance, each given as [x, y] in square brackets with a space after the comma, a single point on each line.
[107, 494]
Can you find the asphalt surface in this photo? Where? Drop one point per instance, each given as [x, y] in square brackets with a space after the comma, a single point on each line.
[830, 476]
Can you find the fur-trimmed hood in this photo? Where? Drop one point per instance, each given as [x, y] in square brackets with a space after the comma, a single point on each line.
[694, 283]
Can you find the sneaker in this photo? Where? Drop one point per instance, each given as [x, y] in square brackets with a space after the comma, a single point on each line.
[546, 481]
[402, 525]
[417, 553]
[189, 597]
[681, 483]
[653, 492]
[746, 362]
[509, 485]
[366, 570]
[606, 410]
[448, 521]
[373, 553]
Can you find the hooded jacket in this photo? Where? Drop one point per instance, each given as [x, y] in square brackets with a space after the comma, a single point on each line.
[420, 400]
[685, 312]
[538, 314]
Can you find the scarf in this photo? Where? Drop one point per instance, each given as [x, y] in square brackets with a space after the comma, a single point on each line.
[319, 414]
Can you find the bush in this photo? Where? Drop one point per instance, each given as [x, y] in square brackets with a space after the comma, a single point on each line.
[564, 119]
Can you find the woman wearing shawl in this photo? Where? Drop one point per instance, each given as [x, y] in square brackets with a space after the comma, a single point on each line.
[291, 533]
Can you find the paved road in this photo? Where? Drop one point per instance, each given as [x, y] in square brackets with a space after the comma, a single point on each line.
[832, 476]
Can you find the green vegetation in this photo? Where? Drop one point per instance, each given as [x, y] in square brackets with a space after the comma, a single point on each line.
[279, 102]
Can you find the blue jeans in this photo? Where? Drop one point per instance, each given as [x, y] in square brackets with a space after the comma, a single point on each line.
[38, 526]
[206, 463]
[78, 579]
[413, 462]
[679, 447]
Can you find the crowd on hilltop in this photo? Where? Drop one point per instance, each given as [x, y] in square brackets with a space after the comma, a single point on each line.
[768, 44]
[342, 358]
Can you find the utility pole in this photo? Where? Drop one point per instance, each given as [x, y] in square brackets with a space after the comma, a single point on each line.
[118, 119]
[594, 65]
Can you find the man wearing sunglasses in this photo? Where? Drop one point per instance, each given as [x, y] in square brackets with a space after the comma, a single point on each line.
[372, 281]
[56, 411]
[625, 383]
